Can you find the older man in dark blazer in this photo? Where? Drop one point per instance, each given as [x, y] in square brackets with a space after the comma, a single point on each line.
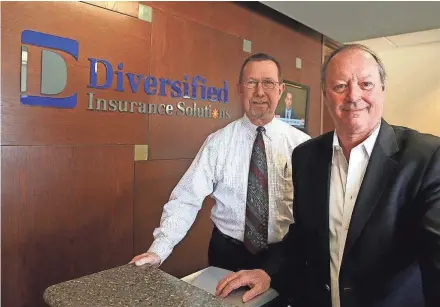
[367, 204]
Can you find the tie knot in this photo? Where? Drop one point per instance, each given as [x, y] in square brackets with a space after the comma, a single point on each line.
[260, 129]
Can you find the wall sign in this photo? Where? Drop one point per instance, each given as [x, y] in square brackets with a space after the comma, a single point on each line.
[109, 77]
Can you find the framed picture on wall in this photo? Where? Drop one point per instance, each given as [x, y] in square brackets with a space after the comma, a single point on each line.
[294, 105]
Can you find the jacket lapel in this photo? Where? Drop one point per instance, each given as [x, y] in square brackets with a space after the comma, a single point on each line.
[322, 195]
[379, 170]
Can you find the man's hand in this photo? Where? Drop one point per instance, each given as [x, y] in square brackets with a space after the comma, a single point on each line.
[149, 258]
[257, 280]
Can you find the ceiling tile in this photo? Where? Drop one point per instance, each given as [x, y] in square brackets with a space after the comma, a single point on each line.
[377, 44]
[415, 38]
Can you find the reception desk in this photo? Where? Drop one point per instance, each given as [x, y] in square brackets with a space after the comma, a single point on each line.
[129, 286]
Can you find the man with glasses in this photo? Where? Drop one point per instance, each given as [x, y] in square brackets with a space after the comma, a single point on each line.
[246, 168]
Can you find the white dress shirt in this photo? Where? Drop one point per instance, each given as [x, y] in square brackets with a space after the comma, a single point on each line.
[221, 169]
[345, 182]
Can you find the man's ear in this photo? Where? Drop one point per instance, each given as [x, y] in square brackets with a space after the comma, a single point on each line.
[282, 88]
[239, 88]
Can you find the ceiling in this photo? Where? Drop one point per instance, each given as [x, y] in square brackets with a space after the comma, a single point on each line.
[358, 21]
[403, 40]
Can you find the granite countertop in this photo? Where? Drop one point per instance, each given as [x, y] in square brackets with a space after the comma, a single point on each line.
[129, 286]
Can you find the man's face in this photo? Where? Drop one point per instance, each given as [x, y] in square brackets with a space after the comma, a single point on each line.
[288, 100]
[260, 102]
[353, 91]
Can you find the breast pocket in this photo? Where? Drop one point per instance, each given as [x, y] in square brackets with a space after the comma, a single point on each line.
[283, 171]
[284, 168]
[283, 190]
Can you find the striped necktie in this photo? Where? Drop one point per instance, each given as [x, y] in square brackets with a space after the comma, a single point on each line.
[257, 202]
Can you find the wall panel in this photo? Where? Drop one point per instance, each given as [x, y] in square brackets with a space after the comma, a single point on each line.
[67, 211]
[125, 7]
[154, 182]
[175, 55]
[224, 16]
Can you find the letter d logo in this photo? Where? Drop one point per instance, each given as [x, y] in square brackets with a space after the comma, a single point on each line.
[53, 69]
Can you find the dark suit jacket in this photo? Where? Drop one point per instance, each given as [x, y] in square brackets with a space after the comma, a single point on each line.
[392, 252]
[292, 114]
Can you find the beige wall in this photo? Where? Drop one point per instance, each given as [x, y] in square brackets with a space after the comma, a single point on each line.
[413, 87]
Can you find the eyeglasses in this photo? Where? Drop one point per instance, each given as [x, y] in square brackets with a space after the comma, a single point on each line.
[267, 84]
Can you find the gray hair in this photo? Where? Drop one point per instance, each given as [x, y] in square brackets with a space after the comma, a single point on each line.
[380, 66]
[257, 57]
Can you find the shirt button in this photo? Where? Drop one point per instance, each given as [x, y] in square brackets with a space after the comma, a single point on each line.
[351, 197]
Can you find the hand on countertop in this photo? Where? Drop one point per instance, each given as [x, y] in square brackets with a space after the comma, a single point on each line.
[149, 258]
[258, 280]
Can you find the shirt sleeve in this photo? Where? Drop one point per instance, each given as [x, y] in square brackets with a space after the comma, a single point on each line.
[185, 201]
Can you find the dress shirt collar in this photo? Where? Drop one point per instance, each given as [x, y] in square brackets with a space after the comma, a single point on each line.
[251, 129]
[368, 144]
